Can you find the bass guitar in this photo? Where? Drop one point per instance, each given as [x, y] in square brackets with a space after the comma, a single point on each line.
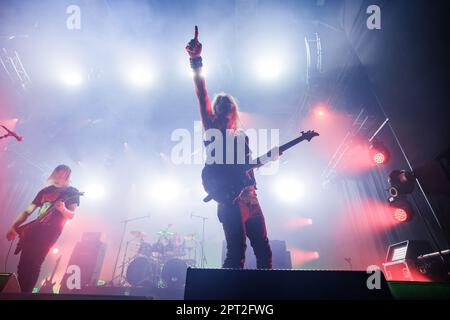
[25, 230]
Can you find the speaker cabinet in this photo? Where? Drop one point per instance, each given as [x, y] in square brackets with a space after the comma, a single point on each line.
[9, 283]
[88, 256]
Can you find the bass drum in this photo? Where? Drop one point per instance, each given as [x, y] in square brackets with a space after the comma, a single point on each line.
[142, 272]
[174, 273]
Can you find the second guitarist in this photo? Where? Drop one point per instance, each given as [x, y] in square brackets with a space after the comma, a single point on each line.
[37, 240]
[243, 217]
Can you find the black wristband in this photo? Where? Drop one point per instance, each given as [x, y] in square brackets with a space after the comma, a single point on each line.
[196, 62]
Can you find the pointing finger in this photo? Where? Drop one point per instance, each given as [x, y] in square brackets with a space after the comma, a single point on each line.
[196, 33]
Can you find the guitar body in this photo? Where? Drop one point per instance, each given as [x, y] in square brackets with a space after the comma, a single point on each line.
[25, 231]
[224, 182]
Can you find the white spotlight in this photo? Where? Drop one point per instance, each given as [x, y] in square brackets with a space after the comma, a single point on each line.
[95, 191]
[72, 78]
[289, 189]
[268, 68]
[165, 191]
[140, 76]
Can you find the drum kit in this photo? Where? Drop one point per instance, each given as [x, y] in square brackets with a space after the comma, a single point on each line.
[162, 263]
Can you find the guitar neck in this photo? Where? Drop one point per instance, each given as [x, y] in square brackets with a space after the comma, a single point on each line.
[282, 149]
[50, 211]
[290, 144]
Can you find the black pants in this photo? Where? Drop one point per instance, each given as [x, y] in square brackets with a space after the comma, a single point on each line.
[240, 220]
[33, 254]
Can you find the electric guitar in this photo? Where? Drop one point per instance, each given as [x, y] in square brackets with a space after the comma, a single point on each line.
[224, 183]
[27, 229]
[48, 285]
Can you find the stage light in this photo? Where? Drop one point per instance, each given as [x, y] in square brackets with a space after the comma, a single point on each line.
[55, 251]
[288, 189]
[401, 182]
[268, 68]
[72, 78]
[297, 223]
[140, 76]
[400, 214]
[379, 158]
[320, 110]
[379, 154]
[95, 191]
[165, 191]
[401, 209]
[301, 257]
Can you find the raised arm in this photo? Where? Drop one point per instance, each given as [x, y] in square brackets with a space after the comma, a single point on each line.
[194, 49]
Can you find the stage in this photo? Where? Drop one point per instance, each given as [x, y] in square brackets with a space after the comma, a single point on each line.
[224, 150]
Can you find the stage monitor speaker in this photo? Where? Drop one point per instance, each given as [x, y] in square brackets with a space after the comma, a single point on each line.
[9, 283]
[88, 256]
[234, 284]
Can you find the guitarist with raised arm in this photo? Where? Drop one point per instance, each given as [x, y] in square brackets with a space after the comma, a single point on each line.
[57, 204]
[242, 217]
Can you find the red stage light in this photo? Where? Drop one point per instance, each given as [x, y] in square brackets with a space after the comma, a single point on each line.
[301, 257]
[400, 214]
[379, 158]
[401, 209]
[55, 251]
[379, 153]
[298, 223]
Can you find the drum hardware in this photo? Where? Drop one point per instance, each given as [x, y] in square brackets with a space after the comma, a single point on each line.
[173, 273]
[138, 234]
[142, 271]
[145, 249]
[190, 237]
[163, 263]
[203, 260]
[125, 224]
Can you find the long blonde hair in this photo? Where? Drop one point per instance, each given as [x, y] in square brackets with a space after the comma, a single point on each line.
[52, 179]
[223, 104]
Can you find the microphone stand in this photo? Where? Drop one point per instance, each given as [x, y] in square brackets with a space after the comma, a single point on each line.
[203, 261]
[10, 133]
[125, 224]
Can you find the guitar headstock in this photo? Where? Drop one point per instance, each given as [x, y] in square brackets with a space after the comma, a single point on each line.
[308, 135]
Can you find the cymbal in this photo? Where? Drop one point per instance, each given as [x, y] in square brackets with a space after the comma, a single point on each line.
[190, 237]
[164, 233]
[138, 234]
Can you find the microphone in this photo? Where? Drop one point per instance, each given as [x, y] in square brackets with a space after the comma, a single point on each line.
[12, 134]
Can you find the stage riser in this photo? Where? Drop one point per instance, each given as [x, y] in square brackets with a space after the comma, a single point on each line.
[232, 284]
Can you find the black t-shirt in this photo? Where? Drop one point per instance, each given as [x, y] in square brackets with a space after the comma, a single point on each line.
[47, 196]
[239, 137]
